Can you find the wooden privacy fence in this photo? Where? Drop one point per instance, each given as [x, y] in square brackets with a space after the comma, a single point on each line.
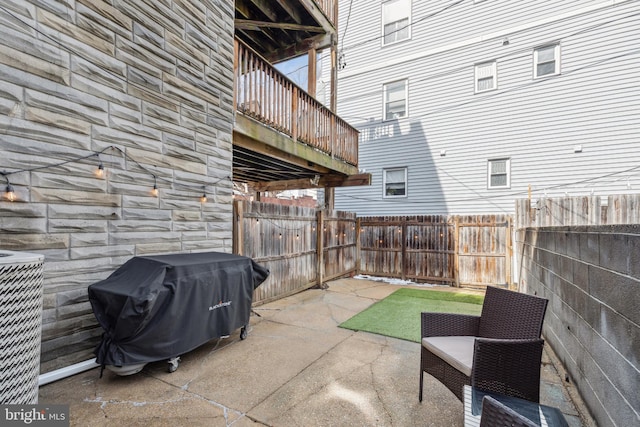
[471, 251]
[582, 210]
[301, 247]
[304, 247]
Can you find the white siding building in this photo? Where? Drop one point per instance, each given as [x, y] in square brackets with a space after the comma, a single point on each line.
[464, 106]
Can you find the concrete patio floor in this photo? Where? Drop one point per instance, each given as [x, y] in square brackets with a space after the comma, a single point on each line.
[296, 368]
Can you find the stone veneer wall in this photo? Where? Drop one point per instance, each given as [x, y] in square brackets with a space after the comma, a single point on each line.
[591, 276]
[150, 77]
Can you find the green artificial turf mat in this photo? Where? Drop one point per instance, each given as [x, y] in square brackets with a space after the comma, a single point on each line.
[398, 315]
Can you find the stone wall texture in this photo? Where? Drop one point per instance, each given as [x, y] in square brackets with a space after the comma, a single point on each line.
[148, 85]
[591, 276]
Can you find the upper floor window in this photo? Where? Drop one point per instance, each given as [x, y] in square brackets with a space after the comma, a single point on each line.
[546, 60]
[396, 21]
[395, 100]
[499, 173]
[486, 76]
[395, 182]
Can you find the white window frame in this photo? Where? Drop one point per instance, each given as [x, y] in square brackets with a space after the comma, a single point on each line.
[507, 172]
[397, 7]
[494, 75]
[384, 183]
[385, 99]
[556, 58]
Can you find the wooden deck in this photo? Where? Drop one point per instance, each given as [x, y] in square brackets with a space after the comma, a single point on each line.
[266, 96]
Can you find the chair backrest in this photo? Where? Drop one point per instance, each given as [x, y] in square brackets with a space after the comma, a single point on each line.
[495, 414]
[511, 315]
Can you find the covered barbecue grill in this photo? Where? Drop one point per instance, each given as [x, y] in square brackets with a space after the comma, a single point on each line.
[159, 307]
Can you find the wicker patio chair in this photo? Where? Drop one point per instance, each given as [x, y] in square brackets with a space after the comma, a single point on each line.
[499, 351]
[495, 414]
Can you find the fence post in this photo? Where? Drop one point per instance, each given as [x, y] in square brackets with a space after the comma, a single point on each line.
[456, 251]
[238, 227]
[320, 249]
[508, 254]
[403, 247]
[358, 245]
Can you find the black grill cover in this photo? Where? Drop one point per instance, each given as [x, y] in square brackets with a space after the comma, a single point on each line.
[158, 307]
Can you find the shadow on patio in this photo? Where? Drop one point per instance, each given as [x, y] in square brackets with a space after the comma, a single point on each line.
[297, 368]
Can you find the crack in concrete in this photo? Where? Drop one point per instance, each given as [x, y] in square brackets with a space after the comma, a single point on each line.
[373, 381]
[295, 405]
[227, 412]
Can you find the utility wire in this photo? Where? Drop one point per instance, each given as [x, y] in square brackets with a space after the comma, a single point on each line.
[346, 25]
[342, 48]
[497, 196]
[499, 58]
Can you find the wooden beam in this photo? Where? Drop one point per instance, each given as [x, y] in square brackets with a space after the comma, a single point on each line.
[327, 181]
[311, 72]
[320, 249]
[286, 6]
[266, 8]
[265, 149]
[318, 42]
[355, 180]
[238, 228]
[318, 15]
[248, 24]
[329, 198]
[255, 136]
[242, 8]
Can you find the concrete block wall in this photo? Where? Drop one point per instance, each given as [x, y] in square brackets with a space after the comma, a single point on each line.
[148, 84]
[591, 276]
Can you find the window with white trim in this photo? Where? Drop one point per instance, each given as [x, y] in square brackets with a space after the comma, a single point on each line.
[499, 175]
[395, 100]
[486, 76]
[546, 60]
[396, 21]
[394, 182]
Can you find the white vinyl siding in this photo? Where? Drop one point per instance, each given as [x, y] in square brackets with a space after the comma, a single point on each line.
[395, 100]
[536, 124]
[546, 60]
[396, 21]
[395, 182]
[486, 76]
[498, 173]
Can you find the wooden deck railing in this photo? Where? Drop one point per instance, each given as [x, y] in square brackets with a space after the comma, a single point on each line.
[330, 9]
[265, 94]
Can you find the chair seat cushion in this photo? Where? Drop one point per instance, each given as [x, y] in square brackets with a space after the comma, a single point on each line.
[457, 351]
